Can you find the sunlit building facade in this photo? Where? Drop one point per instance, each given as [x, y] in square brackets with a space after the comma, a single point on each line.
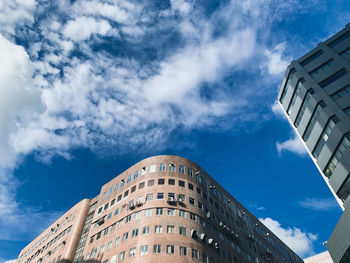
[166, 208]
[315, 96]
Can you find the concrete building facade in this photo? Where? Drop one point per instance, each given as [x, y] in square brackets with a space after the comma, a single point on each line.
[315, 96]
[167, 208]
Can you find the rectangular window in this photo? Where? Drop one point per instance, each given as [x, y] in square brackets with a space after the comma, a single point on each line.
[338, 155]
[149, 197]
[171, 181]
[132, 252]
[109, 245]
[102, 248]
[113, 202]
[190, 172]
[116, 242]
[122, 256]
[344, 190]
[331, 79]
[141, 185]
[125, 236]
[183, 251]
[104, 195]
[181, 198]
[158, 229]
[122, 183]
[171, 211]
[135, 233]
[150, 182]
[347, 111]
[162, 167]
[324, 136]
[133, 189]
[190, 186]
[182, 213]
[128, 218]
[192, 217]
[100, 210]
[181, 169]
[200, 205]
[172, 167]
[339, 39]
[321, 68]
[191, 200]
[144, 250]
[181, 183]
[129, 179]
[170, 229]
[182, 230]
[161, 181]
[315, 116]
[295, 96]
[109, 191]
[136, 174]
[160, 195]
[288, 85]
[341, 93]
[157, 249]
[170, 249]
[119, 198]
[116, 211]
[303, 107]
[116, 187]
[152, 168]
[143, 170]
[195, 253]
[311, 58]
[148, 212]
[106, 206]
[126, 193]
[159, 211]
[145, 230]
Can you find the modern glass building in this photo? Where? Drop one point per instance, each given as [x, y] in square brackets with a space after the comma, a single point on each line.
[162, 209]
[315, 96]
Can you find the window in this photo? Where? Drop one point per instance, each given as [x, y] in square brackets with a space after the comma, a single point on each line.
[341, 93]
[105, 232]
[159, 211]
[172, 167]
[288, 85]
[200, 205]
[145, 230]
[99, 210]
[144, 250]
[191, 200]
[132, 252]
[311, 58]
[205, 258]
[93, 252]
[152, 168]
[181, 198]
[143, 170]
[135, 233]
[113, 202]
[324, 136]
[141, 185]
[125, 236]
[162, 167]
[183, 251]
[109, 216]
[339, 39]
[195, 253]
[192, 217]
[303, 107]
[122, 183]
[160, 195]
[119, 198]
[126, 193]
[295, 96]
[321, 68]
[133, 189]
[150, 182]
[171, 211]
[190, 186]
[116, 187]
[128, 218]
[148, 212]
[315, 116]
[109, 245]
[331, 79]
[170, 249]
[182, 230]
[106, 206]
[116, 211]
[137, 215]
[161, 181]
[122, 256]
[102, 248]
[181, 169]
[136, 174]
[344, 190]
[171, 182]
[116, 242]
[182, 213]
[98, 235]
[149, 197]
[129, 179]
[157, 248]
[104, 195]
[190, 172]
[158, 229]
[338, 155]
[181, 183]
[170, 229]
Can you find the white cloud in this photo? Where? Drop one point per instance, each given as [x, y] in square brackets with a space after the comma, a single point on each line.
[319, 204]
[277, 110]
[82, 28]
[276, 64]
[293, 145]
[300, 242]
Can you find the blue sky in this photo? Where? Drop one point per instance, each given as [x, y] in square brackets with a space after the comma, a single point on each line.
[89, 87]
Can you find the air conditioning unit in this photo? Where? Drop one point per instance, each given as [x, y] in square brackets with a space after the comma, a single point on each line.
[251, 236]
[202, 236]
[101, 221]
[208, 215]
[64, 242]
[171, 200]
[210, 241]
[139, 203]
[216, 244]
[131, 206]
[221, 224]
[193, 233]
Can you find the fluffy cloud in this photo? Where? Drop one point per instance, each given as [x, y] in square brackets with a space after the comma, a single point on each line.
[319, 204]
[293, 145]
[276, 64]
[300, 242]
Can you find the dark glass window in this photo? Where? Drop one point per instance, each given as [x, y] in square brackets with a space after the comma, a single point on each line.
[161, 181]
[181, 183]
[334, 77]
[311, 58]
[171, 181]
